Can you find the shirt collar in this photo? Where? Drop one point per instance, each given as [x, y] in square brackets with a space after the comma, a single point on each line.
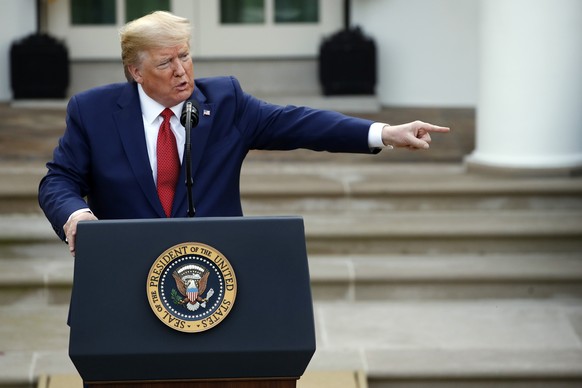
[151, 109]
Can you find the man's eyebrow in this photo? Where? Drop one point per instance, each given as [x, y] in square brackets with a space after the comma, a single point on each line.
[164, 57]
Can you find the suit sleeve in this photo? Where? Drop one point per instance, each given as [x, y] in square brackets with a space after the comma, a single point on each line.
[273, 127]
[62, 190]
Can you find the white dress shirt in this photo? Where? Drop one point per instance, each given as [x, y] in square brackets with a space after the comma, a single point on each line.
[151, 110]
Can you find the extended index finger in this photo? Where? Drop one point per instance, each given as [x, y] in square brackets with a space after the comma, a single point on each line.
[436, 128]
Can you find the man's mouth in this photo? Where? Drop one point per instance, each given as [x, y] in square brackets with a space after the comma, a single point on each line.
[182, 85]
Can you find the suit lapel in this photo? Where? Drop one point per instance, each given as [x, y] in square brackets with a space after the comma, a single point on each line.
[199, 137]
[131, 131]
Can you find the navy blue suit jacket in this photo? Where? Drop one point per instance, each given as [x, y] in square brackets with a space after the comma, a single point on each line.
[103, 157]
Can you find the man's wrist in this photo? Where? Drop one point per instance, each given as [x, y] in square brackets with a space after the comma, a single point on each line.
[375, 139]
[73, 214]
[76, 212]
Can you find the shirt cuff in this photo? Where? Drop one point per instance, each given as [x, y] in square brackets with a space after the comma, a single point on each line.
[375, 136]
[84, 210]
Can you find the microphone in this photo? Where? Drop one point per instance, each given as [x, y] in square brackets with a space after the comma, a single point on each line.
[189, 119]
[190, 110]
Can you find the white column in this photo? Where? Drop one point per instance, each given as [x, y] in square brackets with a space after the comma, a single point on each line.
[529, 112]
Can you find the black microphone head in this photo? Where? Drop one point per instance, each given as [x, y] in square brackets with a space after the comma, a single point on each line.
[191, 108]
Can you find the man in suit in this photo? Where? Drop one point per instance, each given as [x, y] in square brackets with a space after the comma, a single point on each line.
[110, 152]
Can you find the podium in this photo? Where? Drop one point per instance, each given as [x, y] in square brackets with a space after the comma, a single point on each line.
[125, 332]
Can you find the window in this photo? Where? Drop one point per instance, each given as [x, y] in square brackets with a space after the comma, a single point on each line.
[242, 11]
[91, 12]
[90, 28]
[296, 11]
[104, 12]
[268, 11]
[137, 8]
[264, 28]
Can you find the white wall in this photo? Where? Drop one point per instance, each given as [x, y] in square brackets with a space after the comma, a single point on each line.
[17, 20]
[428, 50]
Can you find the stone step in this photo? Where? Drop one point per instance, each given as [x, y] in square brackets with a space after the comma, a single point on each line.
[445, 232]
[402, 255]
[370, 187]
[410, 344]
[445, 277]
[25, 229]
[396, 232]
[19, 189]
[405, 187]
[455, 343]
[36, 281]
[48, 281]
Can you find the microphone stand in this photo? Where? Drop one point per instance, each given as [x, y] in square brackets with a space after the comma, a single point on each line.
[188, 157]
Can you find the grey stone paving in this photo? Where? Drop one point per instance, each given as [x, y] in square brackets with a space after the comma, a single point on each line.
[449, 338]
[397, 339]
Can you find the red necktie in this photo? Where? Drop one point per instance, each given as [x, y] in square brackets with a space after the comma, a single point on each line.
[168, 163]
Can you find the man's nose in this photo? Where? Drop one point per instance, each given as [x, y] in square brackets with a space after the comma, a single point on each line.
[178, 68]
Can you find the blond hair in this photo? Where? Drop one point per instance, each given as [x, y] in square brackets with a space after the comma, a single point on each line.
[158, 29]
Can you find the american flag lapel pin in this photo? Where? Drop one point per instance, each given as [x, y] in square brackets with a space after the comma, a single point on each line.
[206, 112]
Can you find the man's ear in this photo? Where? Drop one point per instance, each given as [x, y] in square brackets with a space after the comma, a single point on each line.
[135, 73]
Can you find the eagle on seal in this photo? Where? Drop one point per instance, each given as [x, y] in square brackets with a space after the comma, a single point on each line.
[192, 287]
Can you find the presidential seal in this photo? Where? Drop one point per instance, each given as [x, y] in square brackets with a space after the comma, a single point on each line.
[191, 287]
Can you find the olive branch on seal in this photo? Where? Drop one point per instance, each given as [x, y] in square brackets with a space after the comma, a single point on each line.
[176, 298]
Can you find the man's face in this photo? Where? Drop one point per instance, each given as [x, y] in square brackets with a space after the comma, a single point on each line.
[166, 74]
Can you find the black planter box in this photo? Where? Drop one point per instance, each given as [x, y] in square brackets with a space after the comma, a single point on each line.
[347, 63]
[39, 68]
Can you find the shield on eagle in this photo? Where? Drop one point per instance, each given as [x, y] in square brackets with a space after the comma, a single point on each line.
[191, 281]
